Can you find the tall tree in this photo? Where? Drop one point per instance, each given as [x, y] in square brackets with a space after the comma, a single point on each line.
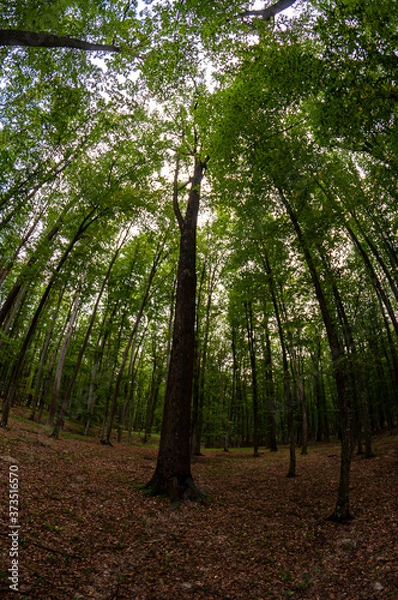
[173, 469]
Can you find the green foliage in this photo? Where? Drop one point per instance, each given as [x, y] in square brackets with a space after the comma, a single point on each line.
[305, 106]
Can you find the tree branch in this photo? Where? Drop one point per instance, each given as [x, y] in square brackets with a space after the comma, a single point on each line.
[16, 37]
[270, 11]
[176, 207]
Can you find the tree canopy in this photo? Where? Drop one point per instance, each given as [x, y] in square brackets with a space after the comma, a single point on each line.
[260, 142]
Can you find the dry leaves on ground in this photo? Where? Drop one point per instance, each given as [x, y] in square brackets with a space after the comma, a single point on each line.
[87, 531]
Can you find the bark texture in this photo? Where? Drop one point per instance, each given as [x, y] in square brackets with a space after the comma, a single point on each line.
[172, 476]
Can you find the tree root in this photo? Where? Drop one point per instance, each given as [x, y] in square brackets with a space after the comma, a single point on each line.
[178, 488]
[340, 519]
[105, 442]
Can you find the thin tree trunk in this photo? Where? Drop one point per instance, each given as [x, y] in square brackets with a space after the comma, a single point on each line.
[322, 434]
[61, 362]
[91, 397]
[356, 370]
[68, 393]
[17, 368]
[197, 369]
[303, 400]
[6, 270]
[43, 358]
[235, 393]
[285, 364]
[374, 279]
[252, 355]
[270, 392]
[114, 352]
[341, 512]
[12, 316]
[15, 290]
[197, 424]
[25, 189]
[155, 264]
[291, 429]
[128, 393]
[98, 358]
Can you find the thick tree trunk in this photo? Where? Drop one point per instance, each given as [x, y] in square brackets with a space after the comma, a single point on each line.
[173, 470]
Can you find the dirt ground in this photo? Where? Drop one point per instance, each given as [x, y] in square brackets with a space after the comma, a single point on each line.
[87, 531]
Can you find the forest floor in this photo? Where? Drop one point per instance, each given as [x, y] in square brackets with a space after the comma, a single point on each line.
[86, 531]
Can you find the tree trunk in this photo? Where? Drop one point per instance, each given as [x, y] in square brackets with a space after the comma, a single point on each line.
[79, 360]
[286, 374]
[156, 380]
[322, 427]
[43, 358]
[17, 368]
[173, 469]
[197, 421]
[159, 251]
[60, 365]
[270, 392]
[195, 443]
[25, 239]
[252, 354]
[13, 293]
[291, 429]
[384, 299]
[128, 393]
[341, 512]
[91, 397]
[302, 395]
[236, 395]
[356, 371]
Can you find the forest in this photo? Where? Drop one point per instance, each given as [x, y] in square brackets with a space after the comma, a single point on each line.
[198, 231]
